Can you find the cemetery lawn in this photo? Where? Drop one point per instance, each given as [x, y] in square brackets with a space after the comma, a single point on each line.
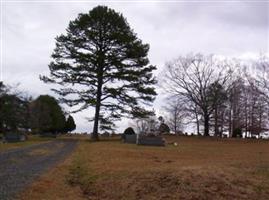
[198, 168]
[32, 139]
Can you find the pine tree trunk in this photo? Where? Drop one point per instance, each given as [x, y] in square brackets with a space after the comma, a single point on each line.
[96, 121]
[98, 102]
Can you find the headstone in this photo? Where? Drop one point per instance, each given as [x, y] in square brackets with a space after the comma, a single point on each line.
[151, 140]
[130, 139]
[105, 134]
[12, 137]
[23, 138]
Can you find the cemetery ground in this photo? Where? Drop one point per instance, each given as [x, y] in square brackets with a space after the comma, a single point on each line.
[21, 166]
[197, 168]
[32, 139]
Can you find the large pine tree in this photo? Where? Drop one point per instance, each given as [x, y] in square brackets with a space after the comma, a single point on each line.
[100, 62]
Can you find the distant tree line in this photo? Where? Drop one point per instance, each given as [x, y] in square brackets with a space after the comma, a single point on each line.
[218, 95]
[41, 115]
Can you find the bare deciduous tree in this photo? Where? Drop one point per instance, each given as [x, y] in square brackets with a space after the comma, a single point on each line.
[176, 113]
[191, 77]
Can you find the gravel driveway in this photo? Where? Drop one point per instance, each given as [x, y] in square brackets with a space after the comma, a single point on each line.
[20, 167]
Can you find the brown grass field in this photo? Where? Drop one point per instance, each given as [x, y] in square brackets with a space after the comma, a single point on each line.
[198, 168]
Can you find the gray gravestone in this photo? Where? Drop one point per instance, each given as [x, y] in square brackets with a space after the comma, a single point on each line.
[130, 139]
[151, 140]
[12, 137]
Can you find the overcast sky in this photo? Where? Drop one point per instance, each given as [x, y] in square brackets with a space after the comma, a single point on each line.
[233, 29]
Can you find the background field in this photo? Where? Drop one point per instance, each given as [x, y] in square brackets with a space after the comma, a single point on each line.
[198, 168]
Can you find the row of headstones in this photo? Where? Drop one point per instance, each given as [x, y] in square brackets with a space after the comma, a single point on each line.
[21, 137]
[13, 137]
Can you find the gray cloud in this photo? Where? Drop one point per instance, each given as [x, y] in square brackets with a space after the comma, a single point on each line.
[171, 29]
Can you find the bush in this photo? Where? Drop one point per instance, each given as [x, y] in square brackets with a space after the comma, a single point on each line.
[164, 128]
[129, 131]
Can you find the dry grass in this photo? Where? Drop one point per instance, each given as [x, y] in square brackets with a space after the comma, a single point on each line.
[198, 168]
